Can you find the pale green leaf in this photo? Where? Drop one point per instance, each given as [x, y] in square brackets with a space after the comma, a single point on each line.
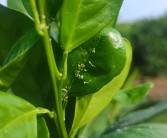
[18, 117]
[87, 107]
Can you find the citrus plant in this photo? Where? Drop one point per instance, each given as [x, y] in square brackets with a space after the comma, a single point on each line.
[63, 72]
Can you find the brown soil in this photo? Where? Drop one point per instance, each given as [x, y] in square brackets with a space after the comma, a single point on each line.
[159, 91]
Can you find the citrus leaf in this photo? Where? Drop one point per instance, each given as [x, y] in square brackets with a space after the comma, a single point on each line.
[140, 115]
[18, 6]
[17, 58]
[98, 62]
[43, 131]
[139, 131]
[134, 94]
[87, 107]
[82, 19]
[18, 117]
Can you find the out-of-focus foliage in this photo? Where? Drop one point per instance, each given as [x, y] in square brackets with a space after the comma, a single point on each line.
[149, 41]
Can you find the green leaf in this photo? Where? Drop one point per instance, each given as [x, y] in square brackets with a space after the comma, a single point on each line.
[18, 117]
[95, 128]
[27, 6]
[87, 107]
[82, 19]
[17, 59]
[140, 115]
[139, 131]
[98, 62]
[43, 131]
[53, 7]
[134, 94]
[18, 6]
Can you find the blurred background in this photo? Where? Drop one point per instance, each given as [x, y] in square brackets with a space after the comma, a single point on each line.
[144, 23]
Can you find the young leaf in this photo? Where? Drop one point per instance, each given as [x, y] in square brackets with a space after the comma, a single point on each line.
[18, 6]
[18, 117]
[133, 95]
[17, 58]
[87, 107]
[139, 131]
[78, 17]
[98, 62]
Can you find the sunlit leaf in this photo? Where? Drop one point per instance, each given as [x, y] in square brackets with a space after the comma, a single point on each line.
[18, 117]
[82, 19]
[87, 107]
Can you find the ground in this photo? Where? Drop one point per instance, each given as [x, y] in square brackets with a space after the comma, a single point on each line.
[159, 91]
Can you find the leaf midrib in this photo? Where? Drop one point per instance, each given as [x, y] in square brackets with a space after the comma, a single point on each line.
[18, 119]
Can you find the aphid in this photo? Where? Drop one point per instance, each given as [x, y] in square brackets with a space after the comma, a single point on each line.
[93, 51]
[81, 66]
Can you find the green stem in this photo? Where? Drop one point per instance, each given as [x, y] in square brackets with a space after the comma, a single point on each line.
[36, 16]
[56, 76]
[56, 81]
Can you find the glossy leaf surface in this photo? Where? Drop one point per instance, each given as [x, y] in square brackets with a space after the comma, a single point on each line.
[87, 107]
[139, 131]
[82, 19]
[18, 117]
[96, 63]
[134, 94]
[17, 58]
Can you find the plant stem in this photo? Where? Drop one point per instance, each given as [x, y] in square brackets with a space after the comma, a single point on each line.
[56, 76]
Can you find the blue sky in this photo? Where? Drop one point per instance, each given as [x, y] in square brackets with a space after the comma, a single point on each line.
[133, 10]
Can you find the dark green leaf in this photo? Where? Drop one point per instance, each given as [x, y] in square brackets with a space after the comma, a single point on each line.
[139, 131]
[82, 19]
[17, 59]
[18, 117]
[18, 6]
[87, 107]
[134, 94]
[27, 6]
[36, 87]
[53, 7]
[96, 63]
